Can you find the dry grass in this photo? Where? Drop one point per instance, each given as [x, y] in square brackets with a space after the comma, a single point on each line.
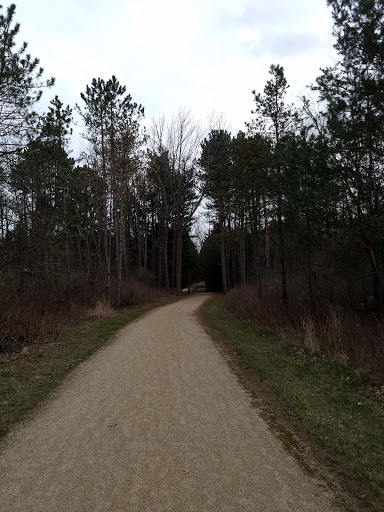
[40, 311]
[101, 309]
[137, 293]
[309, 334]
[339, 334]
[21, 326]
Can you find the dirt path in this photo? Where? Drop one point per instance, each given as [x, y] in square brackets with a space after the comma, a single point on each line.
[155, 421]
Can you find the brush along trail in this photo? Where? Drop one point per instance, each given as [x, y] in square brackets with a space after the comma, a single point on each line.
[155, 421]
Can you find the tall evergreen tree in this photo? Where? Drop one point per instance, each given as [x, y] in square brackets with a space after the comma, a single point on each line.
[353, 90]
[279, 120]
[21, 85]
[251, 160]
[112, 122]
[40, 183]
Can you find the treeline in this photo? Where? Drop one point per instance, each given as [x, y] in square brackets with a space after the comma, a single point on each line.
[297, 200]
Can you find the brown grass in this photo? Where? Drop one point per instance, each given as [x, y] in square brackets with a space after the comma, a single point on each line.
[38, 313]
[342, 335]
[137, 293]
[101, 309]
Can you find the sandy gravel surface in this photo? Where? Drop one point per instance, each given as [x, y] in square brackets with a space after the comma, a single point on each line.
[155, 421]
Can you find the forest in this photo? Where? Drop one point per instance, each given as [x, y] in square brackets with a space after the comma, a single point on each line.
[294, 203]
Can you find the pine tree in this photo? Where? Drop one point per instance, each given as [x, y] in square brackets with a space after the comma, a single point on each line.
[21, 85]
[278, 120]
[40, 183]
[353, 90]
[112, 122]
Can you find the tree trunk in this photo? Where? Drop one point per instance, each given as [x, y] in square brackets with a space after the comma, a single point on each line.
[107, 256]
[222, 255]
[309, 262]
[173, 258]
[165, 255]
[119, 255]
[242, 250]
[179, 257]
[145, 245]
[267, 240]
[139, 236]
[284, 295]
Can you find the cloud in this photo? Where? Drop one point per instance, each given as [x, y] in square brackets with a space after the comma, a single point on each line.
[286, 44]
[204, 54]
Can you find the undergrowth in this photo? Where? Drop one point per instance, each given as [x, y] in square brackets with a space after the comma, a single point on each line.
[330, 331]
[33, 317]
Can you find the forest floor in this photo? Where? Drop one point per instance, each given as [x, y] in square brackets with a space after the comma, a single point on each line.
[154, 421]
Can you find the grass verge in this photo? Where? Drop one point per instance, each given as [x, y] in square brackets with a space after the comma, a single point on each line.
[25, 380]
[321, 411]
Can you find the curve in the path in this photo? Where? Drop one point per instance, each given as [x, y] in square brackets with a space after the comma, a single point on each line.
[155, 421]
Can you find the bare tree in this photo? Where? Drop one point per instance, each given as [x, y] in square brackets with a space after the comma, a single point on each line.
[176, 142]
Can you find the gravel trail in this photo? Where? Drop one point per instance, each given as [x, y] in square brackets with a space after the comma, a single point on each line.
[155, 421]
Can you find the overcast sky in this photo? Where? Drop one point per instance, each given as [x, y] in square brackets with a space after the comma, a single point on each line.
[202, 54]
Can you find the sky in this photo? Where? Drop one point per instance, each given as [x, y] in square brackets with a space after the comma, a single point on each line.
[204, 55]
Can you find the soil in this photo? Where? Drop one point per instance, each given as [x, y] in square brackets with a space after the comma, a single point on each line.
[154, 421]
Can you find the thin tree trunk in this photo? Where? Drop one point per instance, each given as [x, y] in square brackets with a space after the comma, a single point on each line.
[165, 253]
[284, 294]
[267, 239]
[173, 259]
[222, 256]
[120, 258]
[107, 255]
[155, 244]
[309, 262]
[242, 250]
[139, 235]
[145, 244]
[179, 257]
